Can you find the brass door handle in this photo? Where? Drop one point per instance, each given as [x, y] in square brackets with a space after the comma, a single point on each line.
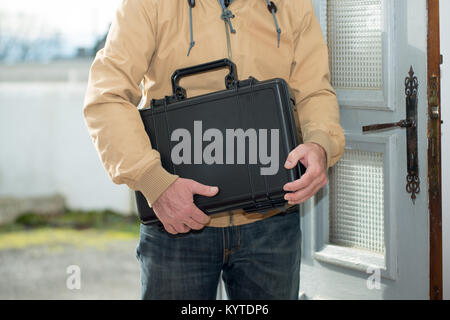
[406, 123]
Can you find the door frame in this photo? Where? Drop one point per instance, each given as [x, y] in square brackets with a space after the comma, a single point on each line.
[434, 152]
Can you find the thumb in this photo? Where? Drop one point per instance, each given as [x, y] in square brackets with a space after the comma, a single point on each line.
[295, 156]
[204, 190]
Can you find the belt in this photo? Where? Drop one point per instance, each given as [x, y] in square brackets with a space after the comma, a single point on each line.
[241, 217]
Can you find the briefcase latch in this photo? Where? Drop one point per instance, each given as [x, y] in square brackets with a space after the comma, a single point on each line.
[265, 205]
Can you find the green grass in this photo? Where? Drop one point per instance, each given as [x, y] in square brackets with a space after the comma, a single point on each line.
[105, 220]
[76, 228]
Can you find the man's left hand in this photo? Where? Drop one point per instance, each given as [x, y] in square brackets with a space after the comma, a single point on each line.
[314, 158]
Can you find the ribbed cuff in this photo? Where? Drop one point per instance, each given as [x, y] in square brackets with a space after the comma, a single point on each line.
[322, 139]
[154, 182]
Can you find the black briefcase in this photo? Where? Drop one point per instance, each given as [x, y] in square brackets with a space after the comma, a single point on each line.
[237, 139]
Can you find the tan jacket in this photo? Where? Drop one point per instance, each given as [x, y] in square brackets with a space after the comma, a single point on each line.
[149, 39]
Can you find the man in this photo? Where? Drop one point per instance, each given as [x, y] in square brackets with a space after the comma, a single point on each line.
[258, 254]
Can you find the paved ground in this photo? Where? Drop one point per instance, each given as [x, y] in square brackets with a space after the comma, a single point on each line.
[37, 268]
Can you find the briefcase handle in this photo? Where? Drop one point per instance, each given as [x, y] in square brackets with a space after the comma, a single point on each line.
[230, 79]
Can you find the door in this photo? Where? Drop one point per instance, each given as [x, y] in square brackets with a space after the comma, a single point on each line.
[364, 237]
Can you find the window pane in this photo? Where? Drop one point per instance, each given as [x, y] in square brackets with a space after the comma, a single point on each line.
[355, 43]
[357, 201]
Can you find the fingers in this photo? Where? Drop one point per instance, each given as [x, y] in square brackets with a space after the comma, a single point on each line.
[176, 209]
[178, 227]
[315, 177]
[304, 181]
[295, 156]
[305, 193]
[192, 218]
[301, 195]
[169, 229]
[181, 228]
[204, 190]
[191, 223]
[175, 228]
[199, 216]
[312, 173]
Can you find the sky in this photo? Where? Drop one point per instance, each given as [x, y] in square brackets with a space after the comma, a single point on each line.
[80, 22]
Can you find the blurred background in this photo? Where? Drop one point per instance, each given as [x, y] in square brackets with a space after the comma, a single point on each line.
[63, 223]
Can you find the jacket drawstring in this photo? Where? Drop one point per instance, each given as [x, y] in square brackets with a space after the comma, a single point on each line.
[273, 10]
[226, 16]
[192, 43]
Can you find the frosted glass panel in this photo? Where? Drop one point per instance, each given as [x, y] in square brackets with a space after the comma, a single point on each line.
[357, 201]
[355, 45]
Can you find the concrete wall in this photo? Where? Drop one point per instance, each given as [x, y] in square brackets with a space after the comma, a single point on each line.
[44, 145]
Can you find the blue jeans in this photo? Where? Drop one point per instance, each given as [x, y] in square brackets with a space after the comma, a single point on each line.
[260, 260]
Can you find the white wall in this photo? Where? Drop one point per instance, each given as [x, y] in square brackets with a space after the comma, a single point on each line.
[45, 147]
[445, 106]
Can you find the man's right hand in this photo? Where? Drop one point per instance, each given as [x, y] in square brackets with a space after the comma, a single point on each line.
[175, 207]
